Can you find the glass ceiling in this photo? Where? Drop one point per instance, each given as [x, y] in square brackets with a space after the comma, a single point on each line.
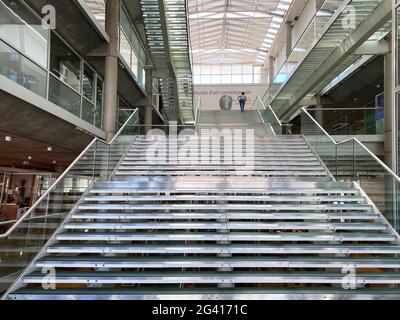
[234, 31]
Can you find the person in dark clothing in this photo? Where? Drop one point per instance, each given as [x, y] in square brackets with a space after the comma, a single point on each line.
[242, 101]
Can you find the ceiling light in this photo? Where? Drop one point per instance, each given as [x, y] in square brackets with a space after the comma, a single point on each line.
[8, 138]
[54, 162]
[29, 158]
[49, 149]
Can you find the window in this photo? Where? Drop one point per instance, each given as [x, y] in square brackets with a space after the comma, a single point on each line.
[131, 48]
[64, 63]
[227, 74]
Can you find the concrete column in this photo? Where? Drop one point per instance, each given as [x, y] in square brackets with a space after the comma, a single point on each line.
[319, 114]
[388, 86]
[148, 117]
[288, 37]
[271, 70]
[111, 68]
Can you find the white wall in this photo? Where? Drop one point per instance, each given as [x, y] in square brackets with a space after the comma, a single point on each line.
[210, 94]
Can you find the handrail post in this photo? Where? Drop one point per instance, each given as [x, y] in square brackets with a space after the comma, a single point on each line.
[94, 160]
[337, 162]
[354, 161]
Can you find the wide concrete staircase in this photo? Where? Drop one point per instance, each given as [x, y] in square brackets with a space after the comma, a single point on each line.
[171, 230]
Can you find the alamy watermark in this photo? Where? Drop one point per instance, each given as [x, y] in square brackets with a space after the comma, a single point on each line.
[49, 20]
[233, 148]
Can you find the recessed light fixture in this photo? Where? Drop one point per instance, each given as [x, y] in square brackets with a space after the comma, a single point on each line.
[29, 158]
[49, 149]
[8, 138]
[54, 162]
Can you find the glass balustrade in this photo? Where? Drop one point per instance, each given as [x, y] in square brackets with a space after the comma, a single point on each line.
[350, 121]
[268, 117]
[351, 160]
[24, 239]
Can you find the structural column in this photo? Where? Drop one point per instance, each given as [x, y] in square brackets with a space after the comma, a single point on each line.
[319, 114]
[288, 36]
[388, 86]
[111, 68]
[148, 116]
[271, 71]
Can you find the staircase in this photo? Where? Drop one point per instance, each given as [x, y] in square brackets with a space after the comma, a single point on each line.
[233, 119]
[176, 231]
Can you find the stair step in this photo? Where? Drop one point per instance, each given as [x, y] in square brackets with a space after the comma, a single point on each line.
[227, 172]
[64, 277]
[225, 226]
[228, 216]
[302, 199]
[241, 293]
[226, 249]
[231, 167]
[247, 207]
[206, 262]
[232, 236]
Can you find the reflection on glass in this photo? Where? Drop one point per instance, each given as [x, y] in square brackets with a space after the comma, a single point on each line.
[88, 83]
[87, 111]
[131, 47]
[135, 65]
[23, 30]
[125, 48]
[64, 63]
[126, 23]
[349, 121]
[21, 70]
[99, 104]
[63, 96]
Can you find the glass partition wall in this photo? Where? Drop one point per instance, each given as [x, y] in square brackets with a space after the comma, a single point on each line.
[41, 61]
[131, 47]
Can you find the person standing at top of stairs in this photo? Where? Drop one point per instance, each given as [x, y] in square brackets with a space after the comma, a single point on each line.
[242, 101]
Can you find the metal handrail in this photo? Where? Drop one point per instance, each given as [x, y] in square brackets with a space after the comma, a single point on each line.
[353, 139]
[53, 186]
[5, 223]
[271, 110]
[197, 113]
[123, 127]
[340, 109]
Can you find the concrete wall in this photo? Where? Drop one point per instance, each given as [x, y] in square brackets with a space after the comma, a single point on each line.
[210, 94]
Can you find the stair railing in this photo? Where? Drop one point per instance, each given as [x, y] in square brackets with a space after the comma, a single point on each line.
[268, 116]
[351, 160]
[197, 112]
[26, 236]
